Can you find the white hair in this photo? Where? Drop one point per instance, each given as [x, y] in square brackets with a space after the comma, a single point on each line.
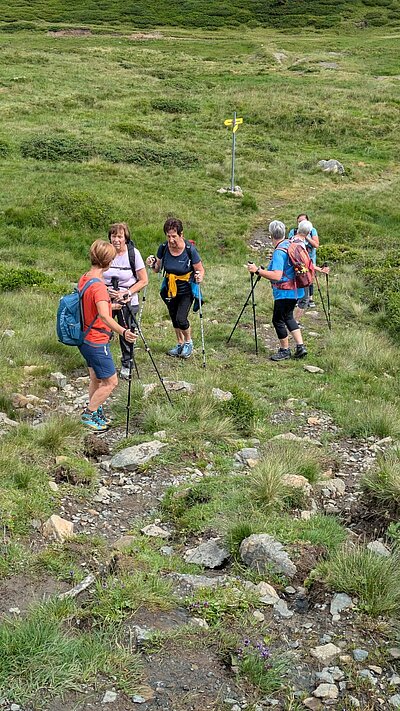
[277, 229]
[304, 227]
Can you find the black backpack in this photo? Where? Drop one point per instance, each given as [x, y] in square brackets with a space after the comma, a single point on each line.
[188, 246]
[131, 255]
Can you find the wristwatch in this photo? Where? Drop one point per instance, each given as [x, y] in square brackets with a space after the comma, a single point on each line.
[257, 271]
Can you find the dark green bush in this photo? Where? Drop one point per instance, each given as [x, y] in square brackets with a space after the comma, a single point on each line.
[82, 208]
[34, 215]
[330, 252]
[55, 148]
[146, 155]
[12, 278]
[248, 203]
[241, 409]
[5, 148]
[174, 106]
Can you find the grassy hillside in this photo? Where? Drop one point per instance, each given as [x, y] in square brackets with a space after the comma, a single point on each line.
[208, 13]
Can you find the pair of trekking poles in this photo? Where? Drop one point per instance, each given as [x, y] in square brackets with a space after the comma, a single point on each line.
[136, 322]
[253, 284]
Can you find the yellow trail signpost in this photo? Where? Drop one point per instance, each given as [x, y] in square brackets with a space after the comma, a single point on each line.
[234, 124]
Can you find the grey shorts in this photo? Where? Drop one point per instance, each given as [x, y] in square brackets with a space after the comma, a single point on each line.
[303, 302]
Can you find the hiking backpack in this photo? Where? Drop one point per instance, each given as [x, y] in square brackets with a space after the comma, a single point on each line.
[301, 262]
[131, 255]
[70, 319]
[188, 245]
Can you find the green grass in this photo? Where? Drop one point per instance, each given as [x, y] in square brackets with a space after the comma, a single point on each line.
[40, 657]
[382, 483]
[115, 599]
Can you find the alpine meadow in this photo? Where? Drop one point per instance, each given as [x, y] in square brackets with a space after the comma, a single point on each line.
[240, 548]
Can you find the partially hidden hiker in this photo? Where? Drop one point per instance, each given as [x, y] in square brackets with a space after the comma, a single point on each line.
[312, 244]
[98, 324]
[304, 229]
[281, 274]
[126, 276]
[181, 265]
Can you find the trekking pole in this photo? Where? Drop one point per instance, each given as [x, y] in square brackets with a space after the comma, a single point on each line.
[323, 303]
[143, 298]
[147, 349]
[132, 361]
[255, 282]
[202, 327]
[325, 264]
[253, 305]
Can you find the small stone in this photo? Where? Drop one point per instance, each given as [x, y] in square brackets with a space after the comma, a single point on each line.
[312, 703]
[395, 652]
[15, 610]
[354, 702]
[325, 676]
[340, 602]
[109, 697]
[9, 333]
[15, 707]
[210, 554]
[166, 550]
[378, 548]
[161, 435]
[155, 531]
[375, 669]
[124, 543]
[53, 486]
[199, 622]
[258, 615]
[282, 609]
[395, 701]
[325, 653]
[345, 659]
[360, 655]
[296, 481]
[176, 386]
[148, 388]
[313, 369]
[326, 691]
[267, 593]
[61, 459]
[221, 395]
[58, 528]
[59, 379]
[132, 457]
[394, 680]
[138, 699]
[331, 166]
[261, 551]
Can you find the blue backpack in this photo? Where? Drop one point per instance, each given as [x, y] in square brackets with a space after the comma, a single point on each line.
[70, 317]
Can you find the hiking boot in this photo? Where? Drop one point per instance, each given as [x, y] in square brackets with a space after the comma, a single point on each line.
[311, 304]
[187, 350]
[176, 350]
[92, 420]
[102, 416]
[282, 354]
[300, 352]
[124, 372]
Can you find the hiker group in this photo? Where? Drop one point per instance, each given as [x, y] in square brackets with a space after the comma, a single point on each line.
[107, 301]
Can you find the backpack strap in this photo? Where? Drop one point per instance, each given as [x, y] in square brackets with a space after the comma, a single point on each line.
[188, 247]
[81, 293]
[132, 257]
[290, 283]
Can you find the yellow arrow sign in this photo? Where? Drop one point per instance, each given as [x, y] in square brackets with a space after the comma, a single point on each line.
[229, 122]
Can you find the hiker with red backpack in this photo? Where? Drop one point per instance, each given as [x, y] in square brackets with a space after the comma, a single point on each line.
[304, 229]
[312, 244]
[183, 271]
[286, 271]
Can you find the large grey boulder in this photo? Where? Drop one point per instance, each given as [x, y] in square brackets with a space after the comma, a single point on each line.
[210, 554]
[331, 166]
[261, 552]
[132, 457]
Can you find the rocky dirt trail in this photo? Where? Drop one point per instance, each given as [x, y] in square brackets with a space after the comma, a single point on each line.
[337, 659]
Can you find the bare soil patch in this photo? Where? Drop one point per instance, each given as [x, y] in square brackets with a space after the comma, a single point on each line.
[22, 592]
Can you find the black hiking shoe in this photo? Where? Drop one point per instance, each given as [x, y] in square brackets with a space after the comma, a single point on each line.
[282, 354]
[301, 352]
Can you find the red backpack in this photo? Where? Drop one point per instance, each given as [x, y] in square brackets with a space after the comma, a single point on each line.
[302, 264]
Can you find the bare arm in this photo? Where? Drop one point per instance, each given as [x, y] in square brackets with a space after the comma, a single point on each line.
[271, 275]
[104, 315]
[314, 241]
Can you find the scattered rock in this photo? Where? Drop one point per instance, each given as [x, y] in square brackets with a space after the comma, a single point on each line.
[222, 395]
[295, 438]
[339, 603]
[166, 550]
[109, 697]
[296, 481]
[394, 652]
[326, 691]
[379, 548]
[282, 609]
[237, 191]
[354, 702]
[190, 583]
[123, 543]
[4, 420]
[313, 369]
[259, 616]
[15, 707]
[146, 694]
[53, 486]
[267, 593]
[360, 655]
[331, 166]
[395, 701]
[312, 703]
[210, 554]
[161, 435]
[261, 552]
[367, 674]
[8, 333]
[199, 622]
[325, 653]
[155, 531]
[328, 65]
[58, 528]
[148, 388]
[59, 379]
[19, 401]
[247, 454]
[178, 386]
[77, 589]
[394, 680]
[132, 457]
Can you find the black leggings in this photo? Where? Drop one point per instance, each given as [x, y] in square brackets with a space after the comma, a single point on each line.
[179, 308]
[283, 318]
[124, 318]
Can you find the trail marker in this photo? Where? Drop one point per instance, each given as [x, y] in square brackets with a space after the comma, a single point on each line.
[234, 123]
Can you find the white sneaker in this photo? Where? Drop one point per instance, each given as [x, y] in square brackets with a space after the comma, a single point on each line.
[124, 373]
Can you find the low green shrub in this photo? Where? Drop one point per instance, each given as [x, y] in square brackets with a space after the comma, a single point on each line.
[55, 148]
[81, 208]
[146, 155]
[373, 578]
[248, 203]
[241, 409]
[174, 106]
[333, 252]
[5, 148]
[12, 278]
[382, 483]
